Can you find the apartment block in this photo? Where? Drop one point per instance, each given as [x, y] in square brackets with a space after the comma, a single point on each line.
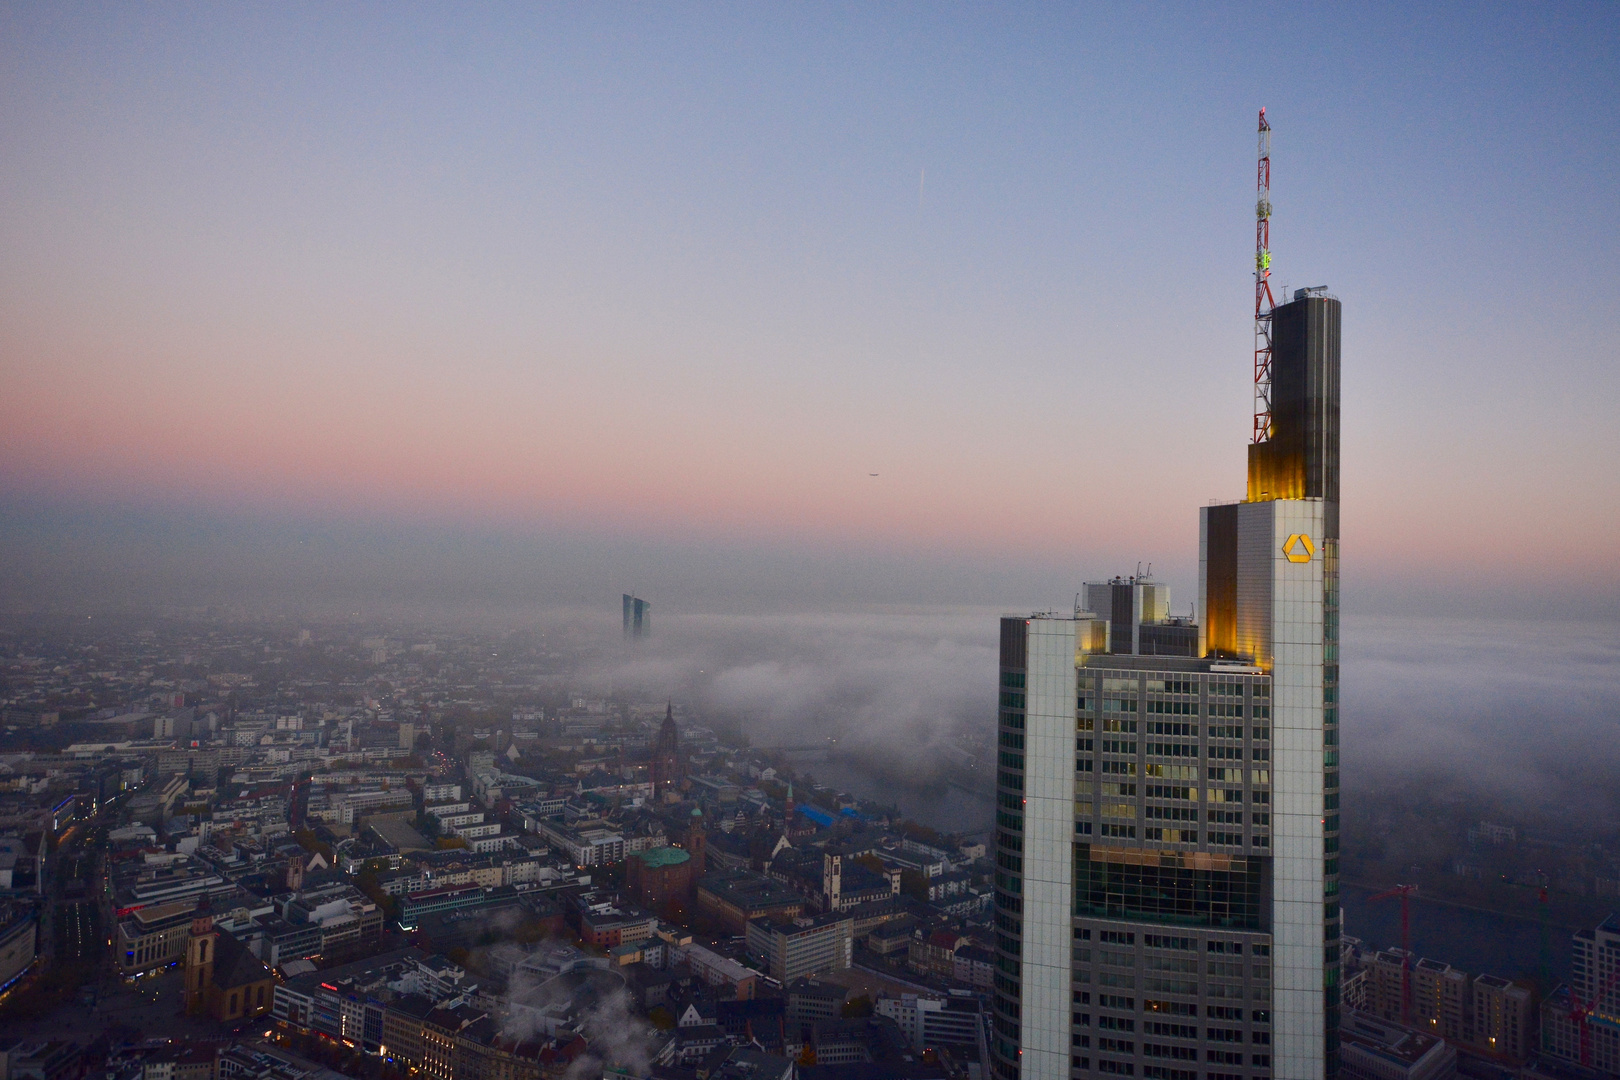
[804, 946]
[1502, 1018]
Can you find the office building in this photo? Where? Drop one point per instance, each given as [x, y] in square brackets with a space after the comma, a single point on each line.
[811, 999]
[637, 617]
[49, 1059]
[1375, 1049]
[731, 899]
[19, 939]
[154, 937]
[1167, 825]
[414, 907]
[931, 1022]
[805, 946]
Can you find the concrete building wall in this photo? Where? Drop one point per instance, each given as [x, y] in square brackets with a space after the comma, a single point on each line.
[1047, 950]
[17, 949]
[1279, 616]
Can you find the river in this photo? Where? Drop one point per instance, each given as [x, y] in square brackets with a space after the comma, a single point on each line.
[942, 807]
[1480, 943]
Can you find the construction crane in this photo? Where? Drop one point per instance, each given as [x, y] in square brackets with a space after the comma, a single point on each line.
[1263, 301]
[1405, 893]
[1579, 1011]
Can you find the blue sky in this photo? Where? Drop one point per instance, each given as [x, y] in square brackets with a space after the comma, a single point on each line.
[685, 276]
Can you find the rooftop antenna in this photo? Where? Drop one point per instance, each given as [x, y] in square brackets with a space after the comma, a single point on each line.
[1263, 300]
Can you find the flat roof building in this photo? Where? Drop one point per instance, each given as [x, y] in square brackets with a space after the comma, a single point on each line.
[804, 946]
[1374, 1049]
[733, 898]
[154, 937]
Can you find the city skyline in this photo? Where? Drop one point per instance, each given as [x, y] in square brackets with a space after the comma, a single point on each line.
[963, 385]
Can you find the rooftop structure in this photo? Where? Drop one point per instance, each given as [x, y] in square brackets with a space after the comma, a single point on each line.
[1374, 1049]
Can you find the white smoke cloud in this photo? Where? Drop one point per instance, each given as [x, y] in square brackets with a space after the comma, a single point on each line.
[535, 1000]
[617, 1037]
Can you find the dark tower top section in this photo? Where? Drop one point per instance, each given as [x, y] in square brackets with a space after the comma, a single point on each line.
[1014, 644]
[1301, 459]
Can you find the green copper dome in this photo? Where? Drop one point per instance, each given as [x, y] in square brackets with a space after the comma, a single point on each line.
[664, 856]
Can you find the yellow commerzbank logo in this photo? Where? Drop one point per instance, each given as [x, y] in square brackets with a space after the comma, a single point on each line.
[1299, 548]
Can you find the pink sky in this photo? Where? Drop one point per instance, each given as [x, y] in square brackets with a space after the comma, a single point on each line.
[574, 274]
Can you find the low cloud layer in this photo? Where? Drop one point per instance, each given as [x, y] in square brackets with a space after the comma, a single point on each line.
[1525, 709]
[894, 687]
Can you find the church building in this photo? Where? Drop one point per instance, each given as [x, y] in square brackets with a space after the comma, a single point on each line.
[223, 979]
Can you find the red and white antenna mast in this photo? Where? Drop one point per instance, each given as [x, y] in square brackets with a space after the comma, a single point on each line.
[1263, 302]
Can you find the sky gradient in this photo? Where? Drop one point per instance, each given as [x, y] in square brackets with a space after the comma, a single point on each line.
[605, 294]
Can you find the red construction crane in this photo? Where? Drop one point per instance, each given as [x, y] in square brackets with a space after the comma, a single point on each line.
[1579, 1010]
[1263, 301]
[1404, 892]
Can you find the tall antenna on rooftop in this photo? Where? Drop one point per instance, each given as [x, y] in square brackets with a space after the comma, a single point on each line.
[1263, 301]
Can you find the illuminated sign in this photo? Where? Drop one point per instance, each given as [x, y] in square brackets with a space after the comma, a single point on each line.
[1299, 548]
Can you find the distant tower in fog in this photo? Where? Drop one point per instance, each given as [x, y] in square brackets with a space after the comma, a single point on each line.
[667, 768]
[637, 617]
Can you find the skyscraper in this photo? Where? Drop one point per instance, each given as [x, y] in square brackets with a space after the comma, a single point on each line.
[637, 617]
[1167, 825]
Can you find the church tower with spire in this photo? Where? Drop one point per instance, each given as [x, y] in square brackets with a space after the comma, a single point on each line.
[200, 950]
[667, 767]
[697, 843]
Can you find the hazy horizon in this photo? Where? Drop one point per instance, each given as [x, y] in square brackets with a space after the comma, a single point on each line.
[1517, 711]
[95, 558]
